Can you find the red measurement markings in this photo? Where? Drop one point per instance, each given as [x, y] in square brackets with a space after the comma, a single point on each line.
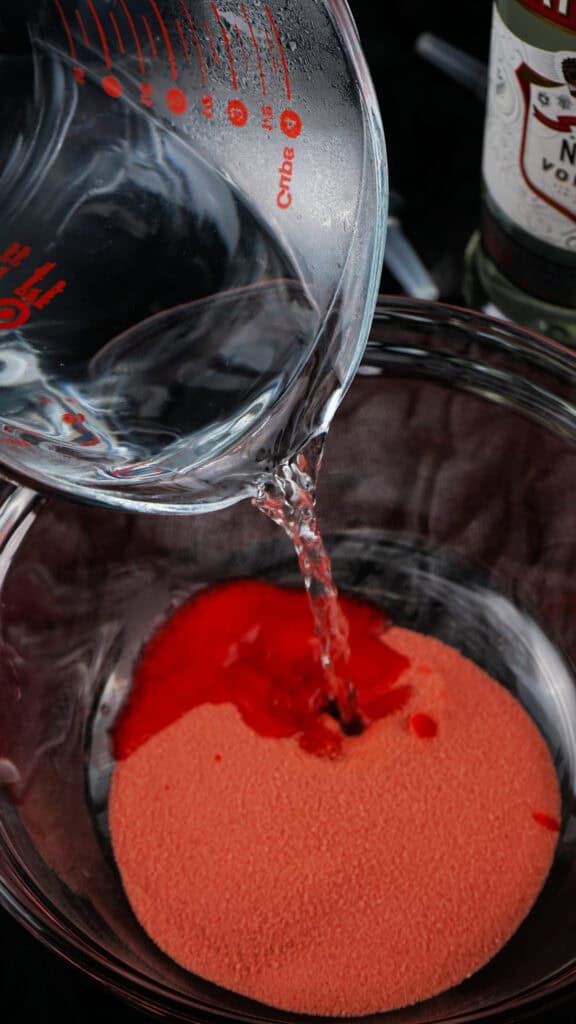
[240, 41]
[176, 101]
[112, 87]
[28, 290]
[291, 124]
[13, 257]
[213, 49]
[167, 41]
[83, 28]
[35, 296]
[117, 33]
[276, 35]
[67, 30]
[150, 36]
[13, 313]
[237, 113]
[226, 39]
[17, 309]
[146, 96]
[256, 47]
[192, 27]
[135, 36]
[271, 49]
[101, 33]
[268, 118]
[182, 37]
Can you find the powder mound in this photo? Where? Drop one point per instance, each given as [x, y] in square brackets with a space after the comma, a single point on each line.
[350, 885]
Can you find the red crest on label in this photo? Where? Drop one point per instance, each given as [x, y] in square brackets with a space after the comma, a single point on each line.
[548, 151]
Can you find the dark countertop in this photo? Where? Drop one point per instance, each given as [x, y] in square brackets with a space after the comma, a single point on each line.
[434, 135]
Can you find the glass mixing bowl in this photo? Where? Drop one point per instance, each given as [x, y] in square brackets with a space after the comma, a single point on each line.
[446, 495]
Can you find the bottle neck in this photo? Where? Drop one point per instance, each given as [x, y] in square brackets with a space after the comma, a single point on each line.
[539, 271]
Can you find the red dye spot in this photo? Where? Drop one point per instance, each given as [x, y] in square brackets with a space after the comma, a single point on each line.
[425, 670]
[424, 727]
[253, 645]
[112, 87]
[176, 101]
[546, 821]
[218, 757]
[73, 417]
[379, 705]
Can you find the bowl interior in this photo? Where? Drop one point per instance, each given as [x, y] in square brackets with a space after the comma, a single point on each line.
[445, 496]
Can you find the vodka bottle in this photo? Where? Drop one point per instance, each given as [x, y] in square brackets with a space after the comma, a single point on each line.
[523, 258]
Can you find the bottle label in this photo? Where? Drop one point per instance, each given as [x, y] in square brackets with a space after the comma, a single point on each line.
[559, 12]
[529, 163]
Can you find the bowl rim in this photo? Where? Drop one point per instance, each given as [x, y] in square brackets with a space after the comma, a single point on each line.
[18, 500]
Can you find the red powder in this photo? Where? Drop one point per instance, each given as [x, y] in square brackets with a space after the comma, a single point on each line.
[341, 885]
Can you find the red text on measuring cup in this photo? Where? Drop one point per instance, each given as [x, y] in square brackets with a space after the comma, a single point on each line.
[35, 292]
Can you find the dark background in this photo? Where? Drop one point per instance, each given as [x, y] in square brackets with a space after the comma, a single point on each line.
[433, 126]
[433, 130]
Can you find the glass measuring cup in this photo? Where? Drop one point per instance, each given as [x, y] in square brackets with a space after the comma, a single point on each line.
[193, 200]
